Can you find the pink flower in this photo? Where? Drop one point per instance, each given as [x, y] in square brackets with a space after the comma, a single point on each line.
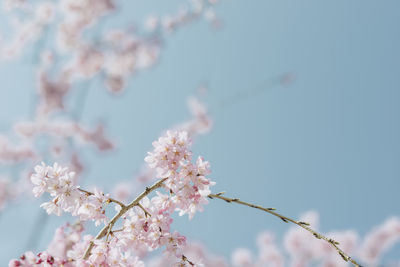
[170, 151]
[242, 257]
[379, 240]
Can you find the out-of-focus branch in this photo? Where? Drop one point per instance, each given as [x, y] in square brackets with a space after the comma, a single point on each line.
[185, 259]
[303, 225]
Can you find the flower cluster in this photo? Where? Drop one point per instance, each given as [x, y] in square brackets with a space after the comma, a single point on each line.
[70, 49]
[115, 53]
[146, 222]
[29, 259]
[186, 181]
[147, 226]
[170, 152]
[148, 229]
[65, 129]
[69, 244]
[7, 191]
[67, 197]
[199, 123]
[380, 240]
[303, 250]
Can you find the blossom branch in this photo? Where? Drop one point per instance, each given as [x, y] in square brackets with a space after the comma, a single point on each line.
[106, 229]
[144, 210]
[108, 199]
[185, 259]
[303, 225]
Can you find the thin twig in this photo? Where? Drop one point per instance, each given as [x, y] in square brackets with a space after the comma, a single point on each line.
[185, 259]
[303, 225]
[146, 213]
[123, 210]
[108, 199]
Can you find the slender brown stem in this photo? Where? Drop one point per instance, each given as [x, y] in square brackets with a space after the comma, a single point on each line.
[185, 259]
[146, 213]
[303, 225]
[106, 229]
[109, 199]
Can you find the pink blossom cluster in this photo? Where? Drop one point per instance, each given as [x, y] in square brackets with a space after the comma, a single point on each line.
[199, 123]
[128, 53]
[25, 149]
[68, 53]
[59, 30]
[198, 8]
[59, 133]
[302, 249]
[170, 153]
[52, 91]
[7, 192]
[379, 240]
[69, 243]
[150, 230]
[146, 226]
[28, 27]
[79, 15]
[60, 184]
[12, 153]
[116, 53]
[29, 259]
[63, 138]
[63, 129]
[172, 158]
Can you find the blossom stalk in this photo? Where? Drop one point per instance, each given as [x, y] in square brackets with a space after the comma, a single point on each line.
[103, 232]
[286, 219]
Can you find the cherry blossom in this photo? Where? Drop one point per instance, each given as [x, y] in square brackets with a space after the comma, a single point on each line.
[300, 249]
[67, 197]
[146, 223]
[68, 55]
[380, 240]
[7, 192]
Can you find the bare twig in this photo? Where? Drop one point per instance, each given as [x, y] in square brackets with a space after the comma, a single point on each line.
[303, 225]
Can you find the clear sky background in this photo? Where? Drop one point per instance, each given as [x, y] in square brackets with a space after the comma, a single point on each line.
[329, 142]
